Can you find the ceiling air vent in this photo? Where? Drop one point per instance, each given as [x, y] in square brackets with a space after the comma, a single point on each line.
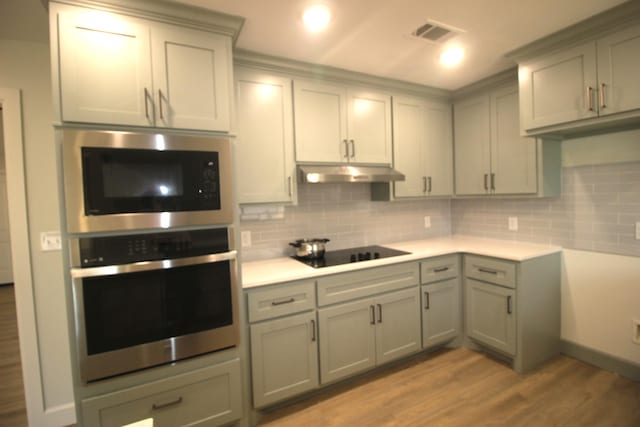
[435, 32]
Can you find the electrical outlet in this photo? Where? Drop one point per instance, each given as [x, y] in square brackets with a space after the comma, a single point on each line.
[637, 230]
[50, 241]
[427, 222]
[635, 333]
[245, 239]
[513, 223]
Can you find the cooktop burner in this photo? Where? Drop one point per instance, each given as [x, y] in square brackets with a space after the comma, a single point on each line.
[346, 256]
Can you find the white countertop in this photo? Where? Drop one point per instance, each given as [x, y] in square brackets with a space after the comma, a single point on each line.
[267, 272]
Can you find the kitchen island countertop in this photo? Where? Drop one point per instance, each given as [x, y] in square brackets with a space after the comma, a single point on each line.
[285, 269]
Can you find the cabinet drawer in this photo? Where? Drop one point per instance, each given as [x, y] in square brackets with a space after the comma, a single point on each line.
[441, 268]
[280, 300]
[209, 396]
[364, 283]
[490, 270]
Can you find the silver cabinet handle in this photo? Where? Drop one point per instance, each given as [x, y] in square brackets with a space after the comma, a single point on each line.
[285, 301]
[313, 330]
[353, 148]
[426, 298]
[486, 185]
[424, 184]
[484, 270]
[429, 180]
[379, 313]
[160, 103]
[440, 269]
[346, 148]
[602, 103]
[373, 315]
[146, 103]
[289, 185]
[493, 181]
[509, 305]
[173, 402]
[589, 104]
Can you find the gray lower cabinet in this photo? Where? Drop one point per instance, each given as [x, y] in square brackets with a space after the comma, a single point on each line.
[206, 397]
[284, 358]
[359, 335]
[513, 308]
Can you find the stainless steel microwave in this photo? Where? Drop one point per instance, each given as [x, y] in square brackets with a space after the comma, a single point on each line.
[116, 181]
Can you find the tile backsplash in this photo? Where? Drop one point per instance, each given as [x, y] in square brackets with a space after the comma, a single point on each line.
[345, 214]
[597, 210]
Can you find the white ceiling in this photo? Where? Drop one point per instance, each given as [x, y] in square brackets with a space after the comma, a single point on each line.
[372, 36]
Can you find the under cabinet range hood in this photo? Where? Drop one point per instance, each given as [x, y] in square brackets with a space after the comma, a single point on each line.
[331, 173]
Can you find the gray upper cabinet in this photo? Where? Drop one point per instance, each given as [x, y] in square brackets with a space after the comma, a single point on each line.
[123, 70]
[266, 165]
[422, 147]
[490, 155]
[585, 86]
[336, 124]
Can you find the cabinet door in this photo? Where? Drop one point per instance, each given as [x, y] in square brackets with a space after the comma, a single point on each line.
[439, 155]
[558, 88]
[472, 149]
[513, 158]
[409, 146]
[491, 315]
[347, 339]
[369, 127]
[440, 312]
[618, 71]
[192, 78]
[284, 358]
[105, 68]
[266, 167]
[320, 122]
[397, 324]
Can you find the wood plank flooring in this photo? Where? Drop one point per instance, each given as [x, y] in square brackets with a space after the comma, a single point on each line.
[462, 387]
[12, 405]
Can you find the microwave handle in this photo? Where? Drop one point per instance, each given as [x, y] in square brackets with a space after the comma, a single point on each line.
[110, 270]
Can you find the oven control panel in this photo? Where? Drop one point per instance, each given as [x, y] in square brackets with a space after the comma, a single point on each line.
[117, 250]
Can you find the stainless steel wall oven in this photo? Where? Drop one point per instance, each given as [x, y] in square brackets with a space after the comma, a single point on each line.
[146, 299]
[124, 180]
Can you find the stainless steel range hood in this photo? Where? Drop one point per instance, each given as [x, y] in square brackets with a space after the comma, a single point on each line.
[324, 174]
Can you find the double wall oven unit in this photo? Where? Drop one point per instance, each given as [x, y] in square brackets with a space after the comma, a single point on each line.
[152, 253]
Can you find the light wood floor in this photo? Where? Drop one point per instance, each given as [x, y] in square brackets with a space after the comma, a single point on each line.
[12, 405]
[466, 388]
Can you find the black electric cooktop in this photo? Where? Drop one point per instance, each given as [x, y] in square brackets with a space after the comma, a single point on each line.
[346, 256]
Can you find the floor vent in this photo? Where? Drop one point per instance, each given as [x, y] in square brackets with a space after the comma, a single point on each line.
[436, 32]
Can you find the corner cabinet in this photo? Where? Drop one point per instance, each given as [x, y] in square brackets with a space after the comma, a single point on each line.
[584, 86]
[206, 397]
[513, 308]
[266, 166]
[116, 69]
[336, 124]
[422, 147]
[491, 158]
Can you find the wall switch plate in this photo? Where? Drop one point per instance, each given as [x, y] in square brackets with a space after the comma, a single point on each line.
[635, 333]
[637, 230]
[427, 222]
[50, 241]
[245, 239]
[513, 223]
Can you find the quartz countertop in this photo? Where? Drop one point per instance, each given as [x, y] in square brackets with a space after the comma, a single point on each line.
[285, 269]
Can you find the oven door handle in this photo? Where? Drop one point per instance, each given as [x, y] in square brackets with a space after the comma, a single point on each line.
[110, 270]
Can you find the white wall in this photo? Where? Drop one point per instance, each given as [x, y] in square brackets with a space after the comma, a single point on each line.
[25, 66]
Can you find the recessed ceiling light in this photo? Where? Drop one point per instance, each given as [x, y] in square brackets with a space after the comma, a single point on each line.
[452, 56]
[316, 17]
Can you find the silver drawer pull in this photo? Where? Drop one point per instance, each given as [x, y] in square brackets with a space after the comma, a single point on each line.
[313, 330]
[484, 270]
[509, 309]
[373, 315]
[379, 313]
[284, 301]
[426, 298]
[440, 269]
[167, 404]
